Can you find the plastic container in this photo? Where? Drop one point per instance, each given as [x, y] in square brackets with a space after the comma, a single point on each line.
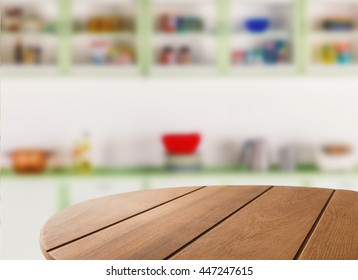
[179, 144]
[257, 25]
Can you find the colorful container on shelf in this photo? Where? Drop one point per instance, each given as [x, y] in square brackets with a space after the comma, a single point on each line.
[269, 53]
[293, 47]
[336, 53]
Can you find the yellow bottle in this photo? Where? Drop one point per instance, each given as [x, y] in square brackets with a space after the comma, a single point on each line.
[82, 155]
[329, 54]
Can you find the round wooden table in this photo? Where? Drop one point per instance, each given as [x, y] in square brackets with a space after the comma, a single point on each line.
[223, 222]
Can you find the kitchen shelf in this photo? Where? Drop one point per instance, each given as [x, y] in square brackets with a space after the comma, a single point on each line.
[29, 37]
[305, 170]
[104, 37]
[339, 70]
[183, 70]
[29, 69]
[277, 46]
[68, 47]
[183, 24]
[326, 47]
[110, 35]
[186, 35]
[351, 34]
[275, 34]
[281, 69]
[28, 33]
[108, 70]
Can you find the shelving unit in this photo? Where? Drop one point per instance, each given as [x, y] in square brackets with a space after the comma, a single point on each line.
[29, 36]
[332, 36]
[104, 37]
[183, 37]
[270, 51]
[176, 37]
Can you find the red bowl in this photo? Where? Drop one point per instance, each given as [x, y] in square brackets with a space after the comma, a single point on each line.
[181, 143]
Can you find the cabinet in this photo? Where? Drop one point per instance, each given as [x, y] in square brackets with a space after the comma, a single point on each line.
[347, 183]
[266, 180]
[177, 180]
[274, 49]
[25, 206]
[26, 203]
[183, 36]
[179, 37]
[80, 190]
[332, 36]
[105, 37]
[29, 36]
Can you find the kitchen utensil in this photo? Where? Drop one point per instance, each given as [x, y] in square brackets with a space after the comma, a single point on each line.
[29, 161]
[336, 157]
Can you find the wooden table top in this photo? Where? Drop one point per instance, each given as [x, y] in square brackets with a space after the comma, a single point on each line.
[221, 222]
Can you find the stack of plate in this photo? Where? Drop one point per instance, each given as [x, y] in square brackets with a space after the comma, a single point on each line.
[181, 154]
[183, 162]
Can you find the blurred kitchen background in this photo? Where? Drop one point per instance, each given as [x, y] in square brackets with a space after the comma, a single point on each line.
[107, 96]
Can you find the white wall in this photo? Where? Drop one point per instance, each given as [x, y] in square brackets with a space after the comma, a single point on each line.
[127, 117]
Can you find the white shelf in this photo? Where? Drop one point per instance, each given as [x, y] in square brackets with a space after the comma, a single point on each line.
[264, 69]
[188, 35]
[184, 69]
[109, 35]
[266, 1]
[264, 35]
[27, 2]
[105, 69]
[331, 35]
[334, 68]
[335, 1]
[28, 69]
[191, 2]
[104, 2]
[5, 34]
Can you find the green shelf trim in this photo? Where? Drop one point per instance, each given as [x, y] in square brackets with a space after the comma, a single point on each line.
[147, 30]
[298, 36]
[306, 52]
[65, 34]
[302, 170]
[63, 194]
[223, 27]
[149, 35]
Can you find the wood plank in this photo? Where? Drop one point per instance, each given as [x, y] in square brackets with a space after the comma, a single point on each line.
[271, 227]
[158, 233]
[84, 218]
[336, 235]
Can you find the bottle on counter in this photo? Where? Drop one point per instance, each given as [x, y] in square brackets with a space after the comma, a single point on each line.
[82, 155]
[19, 52]
[344, 51]
[167, 23]
[184, 56]
[329, 54]
[167, 56]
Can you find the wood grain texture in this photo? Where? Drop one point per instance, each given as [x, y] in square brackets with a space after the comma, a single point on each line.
[158, 233]
[84, 218]
[336, 234]
[271, 227]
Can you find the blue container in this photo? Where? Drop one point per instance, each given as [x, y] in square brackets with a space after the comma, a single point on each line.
[257, 25]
